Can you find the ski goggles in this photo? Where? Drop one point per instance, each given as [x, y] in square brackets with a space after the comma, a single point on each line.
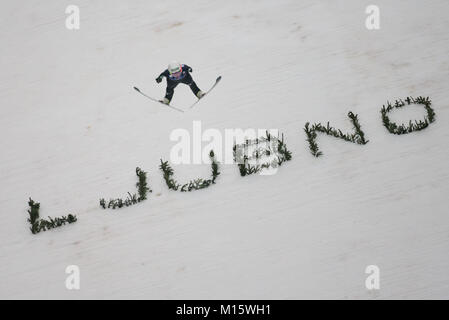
[176, 74]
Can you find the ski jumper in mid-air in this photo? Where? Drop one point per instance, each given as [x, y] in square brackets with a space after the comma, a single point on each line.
[178, 73]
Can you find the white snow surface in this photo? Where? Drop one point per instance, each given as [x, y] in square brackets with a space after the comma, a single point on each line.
[73, 131]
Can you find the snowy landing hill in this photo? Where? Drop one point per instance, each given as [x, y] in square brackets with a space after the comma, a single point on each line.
[73, 131]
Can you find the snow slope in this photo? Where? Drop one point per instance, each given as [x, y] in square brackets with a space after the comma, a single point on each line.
[73, 130]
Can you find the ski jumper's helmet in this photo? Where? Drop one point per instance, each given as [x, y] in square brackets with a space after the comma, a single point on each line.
[174, 67]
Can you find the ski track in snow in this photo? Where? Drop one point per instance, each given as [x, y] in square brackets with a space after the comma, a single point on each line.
[73, 130]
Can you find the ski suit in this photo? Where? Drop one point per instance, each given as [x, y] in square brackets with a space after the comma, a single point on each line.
[172, 81]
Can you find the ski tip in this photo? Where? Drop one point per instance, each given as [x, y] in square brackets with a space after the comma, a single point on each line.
[137, 89]
[218, 79]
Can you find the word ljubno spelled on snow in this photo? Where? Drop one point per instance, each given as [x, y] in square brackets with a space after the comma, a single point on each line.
[277, 149]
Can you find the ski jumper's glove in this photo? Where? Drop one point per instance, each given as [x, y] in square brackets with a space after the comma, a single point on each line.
[159, 79]
[189, 69]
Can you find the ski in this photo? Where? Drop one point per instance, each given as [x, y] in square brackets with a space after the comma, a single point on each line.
[156, 100]
[216, 82]
[174, 108]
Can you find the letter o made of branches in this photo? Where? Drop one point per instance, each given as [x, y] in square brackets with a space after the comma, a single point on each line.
[412, 126]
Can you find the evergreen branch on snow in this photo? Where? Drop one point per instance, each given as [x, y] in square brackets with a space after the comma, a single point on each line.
[417, 125]
[272, 146]
[195, 184]
[131, 199]
[38, 225]
[357, 137]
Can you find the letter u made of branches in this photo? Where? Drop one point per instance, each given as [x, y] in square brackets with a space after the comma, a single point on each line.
[192, 185]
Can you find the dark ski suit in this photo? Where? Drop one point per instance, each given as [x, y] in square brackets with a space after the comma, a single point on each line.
[172, 82]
